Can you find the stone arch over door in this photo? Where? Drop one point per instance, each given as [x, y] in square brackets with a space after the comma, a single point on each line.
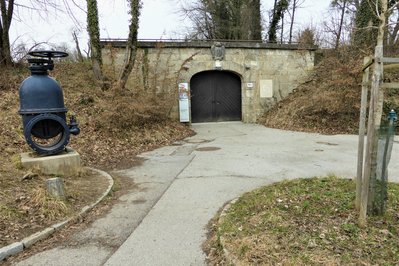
[216, 96]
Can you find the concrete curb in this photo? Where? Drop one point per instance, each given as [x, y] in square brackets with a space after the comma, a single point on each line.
[11, 249]
[17, 247]
[86, 209]
[231, 259]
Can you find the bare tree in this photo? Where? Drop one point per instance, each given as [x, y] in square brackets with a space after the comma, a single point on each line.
[342, 6]
[339, 26]
[199, 14]
[295, 4]
[77, 46]
[225, 19]
[8, 10]
[367, 186]
[131, 45]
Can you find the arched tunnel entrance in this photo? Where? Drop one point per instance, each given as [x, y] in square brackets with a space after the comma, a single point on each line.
[215, 96]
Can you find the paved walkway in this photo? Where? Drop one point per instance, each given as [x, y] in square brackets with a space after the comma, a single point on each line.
[163, 221]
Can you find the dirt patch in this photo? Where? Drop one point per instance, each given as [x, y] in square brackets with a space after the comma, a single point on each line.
[122, 186]
[26, 207]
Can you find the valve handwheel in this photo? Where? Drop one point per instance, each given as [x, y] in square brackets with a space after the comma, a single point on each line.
[48, 54]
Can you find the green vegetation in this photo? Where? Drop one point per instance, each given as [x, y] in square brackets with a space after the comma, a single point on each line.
[93, 30]
[278, 14]
[366, 25]
[309, 221]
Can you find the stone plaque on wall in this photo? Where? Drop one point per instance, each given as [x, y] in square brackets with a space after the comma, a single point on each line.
[266, 88]
[218, 50]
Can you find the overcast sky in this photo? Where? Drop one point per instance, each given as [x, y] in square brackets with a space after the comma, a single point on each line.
[159, 19]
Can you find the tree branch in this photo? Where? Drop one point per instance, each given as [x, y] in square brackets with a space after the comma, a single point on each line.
[71, 15]
[390, 10]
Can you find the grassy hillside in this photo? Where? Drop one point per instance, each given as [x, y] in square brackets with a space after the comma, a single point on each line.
[115, 127]
[329, 102]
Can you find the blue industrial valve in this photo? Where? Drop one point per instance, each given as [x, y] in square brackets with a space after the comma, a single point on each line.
[392, 115]
[42, 107]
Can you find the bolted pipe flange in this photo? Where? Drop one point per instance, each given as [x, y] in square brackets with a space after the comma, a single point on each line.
[47, 134]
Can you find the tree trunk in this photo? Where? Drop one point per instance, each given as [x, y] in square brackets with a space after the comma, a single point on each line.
[292, 20]
[93, 30]
[393, 40]
[131, 46]
[362, 131]
[1, 45]
[274, 9]
[75, 38]
[374, 117]
[278, 11]
[341, 23]
[6, 18]
[282, 28]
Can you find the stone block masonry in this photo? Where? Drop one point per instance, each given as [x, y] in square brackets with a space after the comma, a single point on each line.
[268, 72]
[64, 164]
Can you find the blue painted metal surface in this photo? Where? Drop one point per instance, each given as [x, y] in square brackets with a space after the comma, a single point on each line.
[42, 107]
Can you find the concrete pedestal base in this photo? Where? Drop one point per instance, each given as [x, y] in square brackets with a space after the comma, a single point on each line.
[66, 163]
